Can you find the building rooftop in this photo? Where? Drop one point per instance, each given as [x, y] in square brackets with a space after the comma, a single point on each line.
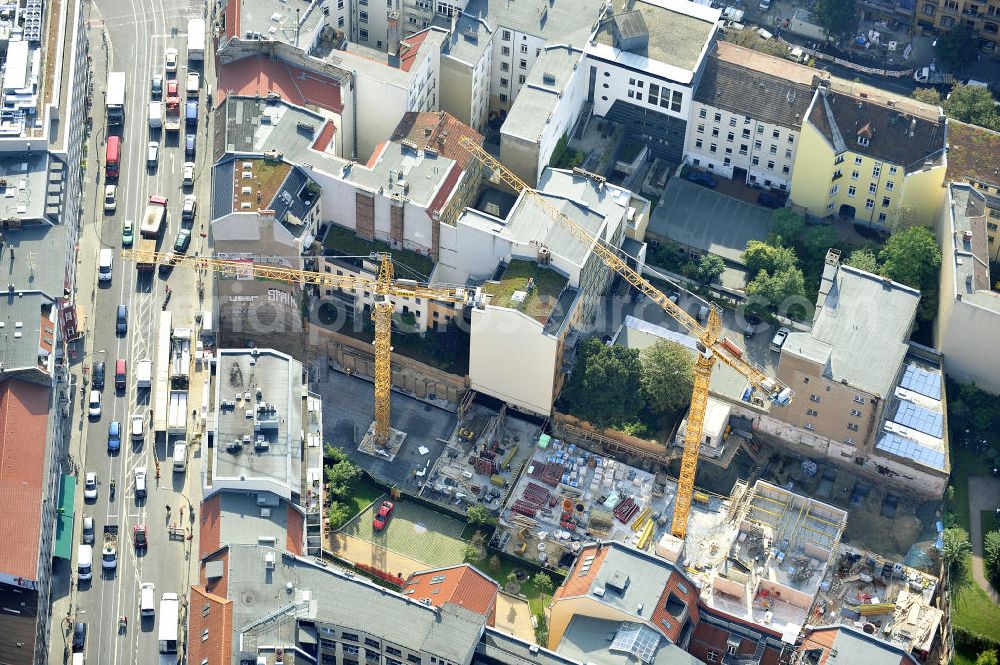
[740, 88]
[259, 421]
[259, 577]
[462, 585]
[27, 332]
[437, 131]
[243, 521]
[24, 417]
[782, 68]
[30, 186]
[18, 631]
[562, 21]
[391, 70]
[496, 647]
[972, 154]
[846, 644]
[967, 214]
[913, 425]
[542, 92]
[512, 289]
[586, 641]
[273, 20]
[249, 185]
[316, 87]
[24, 252]
[673, 34]
[469, 39]
[860, 328]
[881, 131]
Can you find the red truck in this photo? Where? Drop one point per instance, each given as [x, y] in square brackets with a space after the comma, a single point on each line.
[112, 157]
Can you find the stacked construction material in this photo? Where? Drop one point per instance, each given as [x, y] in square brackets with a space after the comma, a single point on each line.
[549, 473]
[534, 498]
[626, 510]
[485, 467]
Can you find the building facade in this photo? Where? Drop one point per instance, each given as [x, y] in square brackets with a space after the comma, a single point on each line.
[983, 18]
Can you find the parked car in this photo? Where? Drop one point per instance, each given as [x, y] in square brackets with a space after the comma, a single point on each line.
[702, 178]
[94, 404]
[779, 339]
[383, 515]
[190, 206]
[189, 145]
[79, 637]
[114, 436]
[121, 326]
[128, 233]
[98, 374]
[188, 174]
[153, 154]
[156, 85]
[172, 88]
[170, 60]
[770, 199]
[110, 198]
[88, 530]
[183, 241]
[140, 481]
[90, 486]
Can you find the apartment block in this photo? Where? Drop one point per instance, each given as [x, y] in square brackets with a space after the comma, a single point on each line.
[981, 16]
[968, 309]
[876, 161]
[972, 154]
[746, 116]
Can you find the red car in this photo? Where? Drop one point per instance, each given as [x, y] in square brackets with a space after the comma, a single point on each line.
[139, 536]
[383, 515]
[172, 88]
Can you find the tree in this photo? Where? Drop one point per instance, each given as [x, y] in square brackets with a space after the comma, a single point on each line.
[988, 657]
[750, 39]
[991, 555]
[605, 386]
[779, 287]
[864, 259]
[542, 582]
[912, 257]
[710, 267]
[760, 256]
[337, 514]
[341, 476]
[494, 564]
[956, 553]
[957, 48]
[838, 18]
[478, 514]
[333, 455]
[973, 105]
[667, 376]
[819, 239]
[927, 96]
[786, 226]
[475, 551]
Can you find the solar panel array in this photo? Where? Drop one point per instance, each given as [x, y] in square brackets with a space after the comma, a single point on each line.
[903, 447]
[921, 381]
[637, 639]
[920, 419]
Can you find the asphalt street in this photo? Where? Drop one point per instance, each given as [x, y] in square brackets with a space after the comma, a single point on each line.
[135, 34]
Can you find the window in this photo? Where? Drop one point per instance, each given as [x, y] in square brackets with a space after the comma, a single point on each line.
[393, 651]
[363, 17]
[698, 143]
[701, 128]
[889, 184]
[852, 190]
[746, 133]
[520, 78]
[506, 37]
[892, 170]
[392, 661]
[839, 160]
[885, 201]
[872, 187]
[715, 132]
[770, 163]
[815, 398]
[524, 48]
[712, 657]
[785, 169]
[731, 648]
[350, 649]
[727, 161]
[856, 413]
[654, 96]
[702, 113]
[631, 94]
[877, 169]
[718, 117]
[855, 175]
[204, 635]
[732, 121]
[791, 138]
[760, 129]
[340, 4]
[929, 9]
[504, 50]
[413, 659]
[788, 153]
[638, 95]
[712, 148]
[773, 149]
[882, 217]
[859, 399]
[503, 97]
[340, 21]
[363, 34]
[837, 175]
[834, 190]
[805, 379]
[755, 160]
[743, 148]
[730, 136]
[810, 427]
[775, 134]
[852, 426]
[857, 160]
[503, 82]
[811, 412]
[756, 145]
[862, 140]
[869, 204]
[369, 642]
[523, 64]
[504, 67]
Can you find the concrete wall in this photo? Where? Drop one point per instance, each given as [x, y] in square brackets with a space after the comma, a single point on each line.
[521, 156]
[456, 88]
[512, 359]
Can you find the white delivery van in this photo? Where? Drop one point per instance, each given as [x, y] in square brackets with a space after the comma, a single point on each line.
[180, 456]
[79, 658]
[105, 263]
[155, 115]
[85, 562]
[147, 599]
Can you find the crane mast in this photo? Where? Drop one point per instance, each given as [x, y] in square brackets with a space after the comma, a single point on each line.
[710, 347]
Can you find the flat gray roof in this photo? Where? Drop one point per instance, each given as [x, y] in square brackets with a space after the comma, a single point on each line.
[265, 391]
[642, 575]
[496, 646]
[698, 217]
[27, 193]
[860, 330]
[563, 21]
[241, 520]
[276, 19]
[542, 92]
[21, 316]
[970, 261]
[586, 641]
[677, 35]
[264, 608]
[854, 646]
[528, 223]
[27, 257]
[469, 39]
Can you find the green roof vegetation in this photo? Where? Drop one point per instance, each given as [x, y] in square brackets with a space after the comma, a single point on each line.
[630, 150]
[540, 299]
[346, 241]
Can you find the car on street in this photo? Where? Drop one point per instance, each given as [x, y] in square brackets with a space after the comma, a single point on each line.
[114, 436]
[752, 324]
[121, 324]
[779, 339]
[188, 174]
[140, 481]
[193, 83]
[90, 486]
[128, 233]
[156, 85]
[172, 88]
[770, 200]
[79, 637]
[190, 206]
[110, 198]
[94, 404]
[98, 373]
[139, 536]
[153, 154]
[702, 178]
[183, 241]
[170, 60]
[189, 145]
[383, 515]
[88, 530]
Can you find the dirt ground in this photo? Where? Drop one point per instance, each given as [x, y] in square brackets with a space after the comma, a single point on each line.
[514, 617]
[356, 550]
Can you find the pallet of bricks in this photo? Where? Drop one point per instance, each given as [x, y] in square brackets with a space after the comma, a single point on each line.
[534, 498]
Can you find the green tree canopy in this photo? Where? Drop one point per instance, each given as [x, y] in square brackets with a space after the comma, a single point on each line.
[760, 256]
[912, 257]
[710, 267]
[817, 240]
[973, 105]
[543, 582]
[778, 287]
[988, 657]
[838, 18]
[667, 376]
[786, 226]
[864, 259]
[927, 96]
[478, 514]
[605, 386]
[991, 555]
[957, 48]
[337, 514]
[957, 549]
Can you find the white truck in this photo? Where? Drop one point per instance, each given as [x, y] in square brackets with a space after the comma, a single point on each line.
[932, 76]
[114, 98]
[144, 374]
[155, 115]
[161, 393]
[180, 357]
[169, 615]
[177, 412]
[196, 40]
[156, 214]
[109, 554]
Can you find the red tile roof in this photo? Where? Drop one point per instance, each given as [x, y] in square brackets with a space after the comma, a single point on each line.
[577, 584]
[683, 589]
[408, 49]
[24, 417]
[459, 585]
[446, 188]
[295, 530]
[322, 141]
[257, 76]
[373, 160]
[217, 620]
[209, 539]
[439, 131]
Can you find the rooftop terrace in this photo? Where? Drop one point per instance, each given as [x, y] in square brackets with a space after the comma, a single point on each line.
[537, 300]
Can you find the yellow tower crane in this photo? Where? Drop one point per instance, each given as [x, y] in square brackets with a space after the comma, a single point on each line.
[384, 287]
[711, 346]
